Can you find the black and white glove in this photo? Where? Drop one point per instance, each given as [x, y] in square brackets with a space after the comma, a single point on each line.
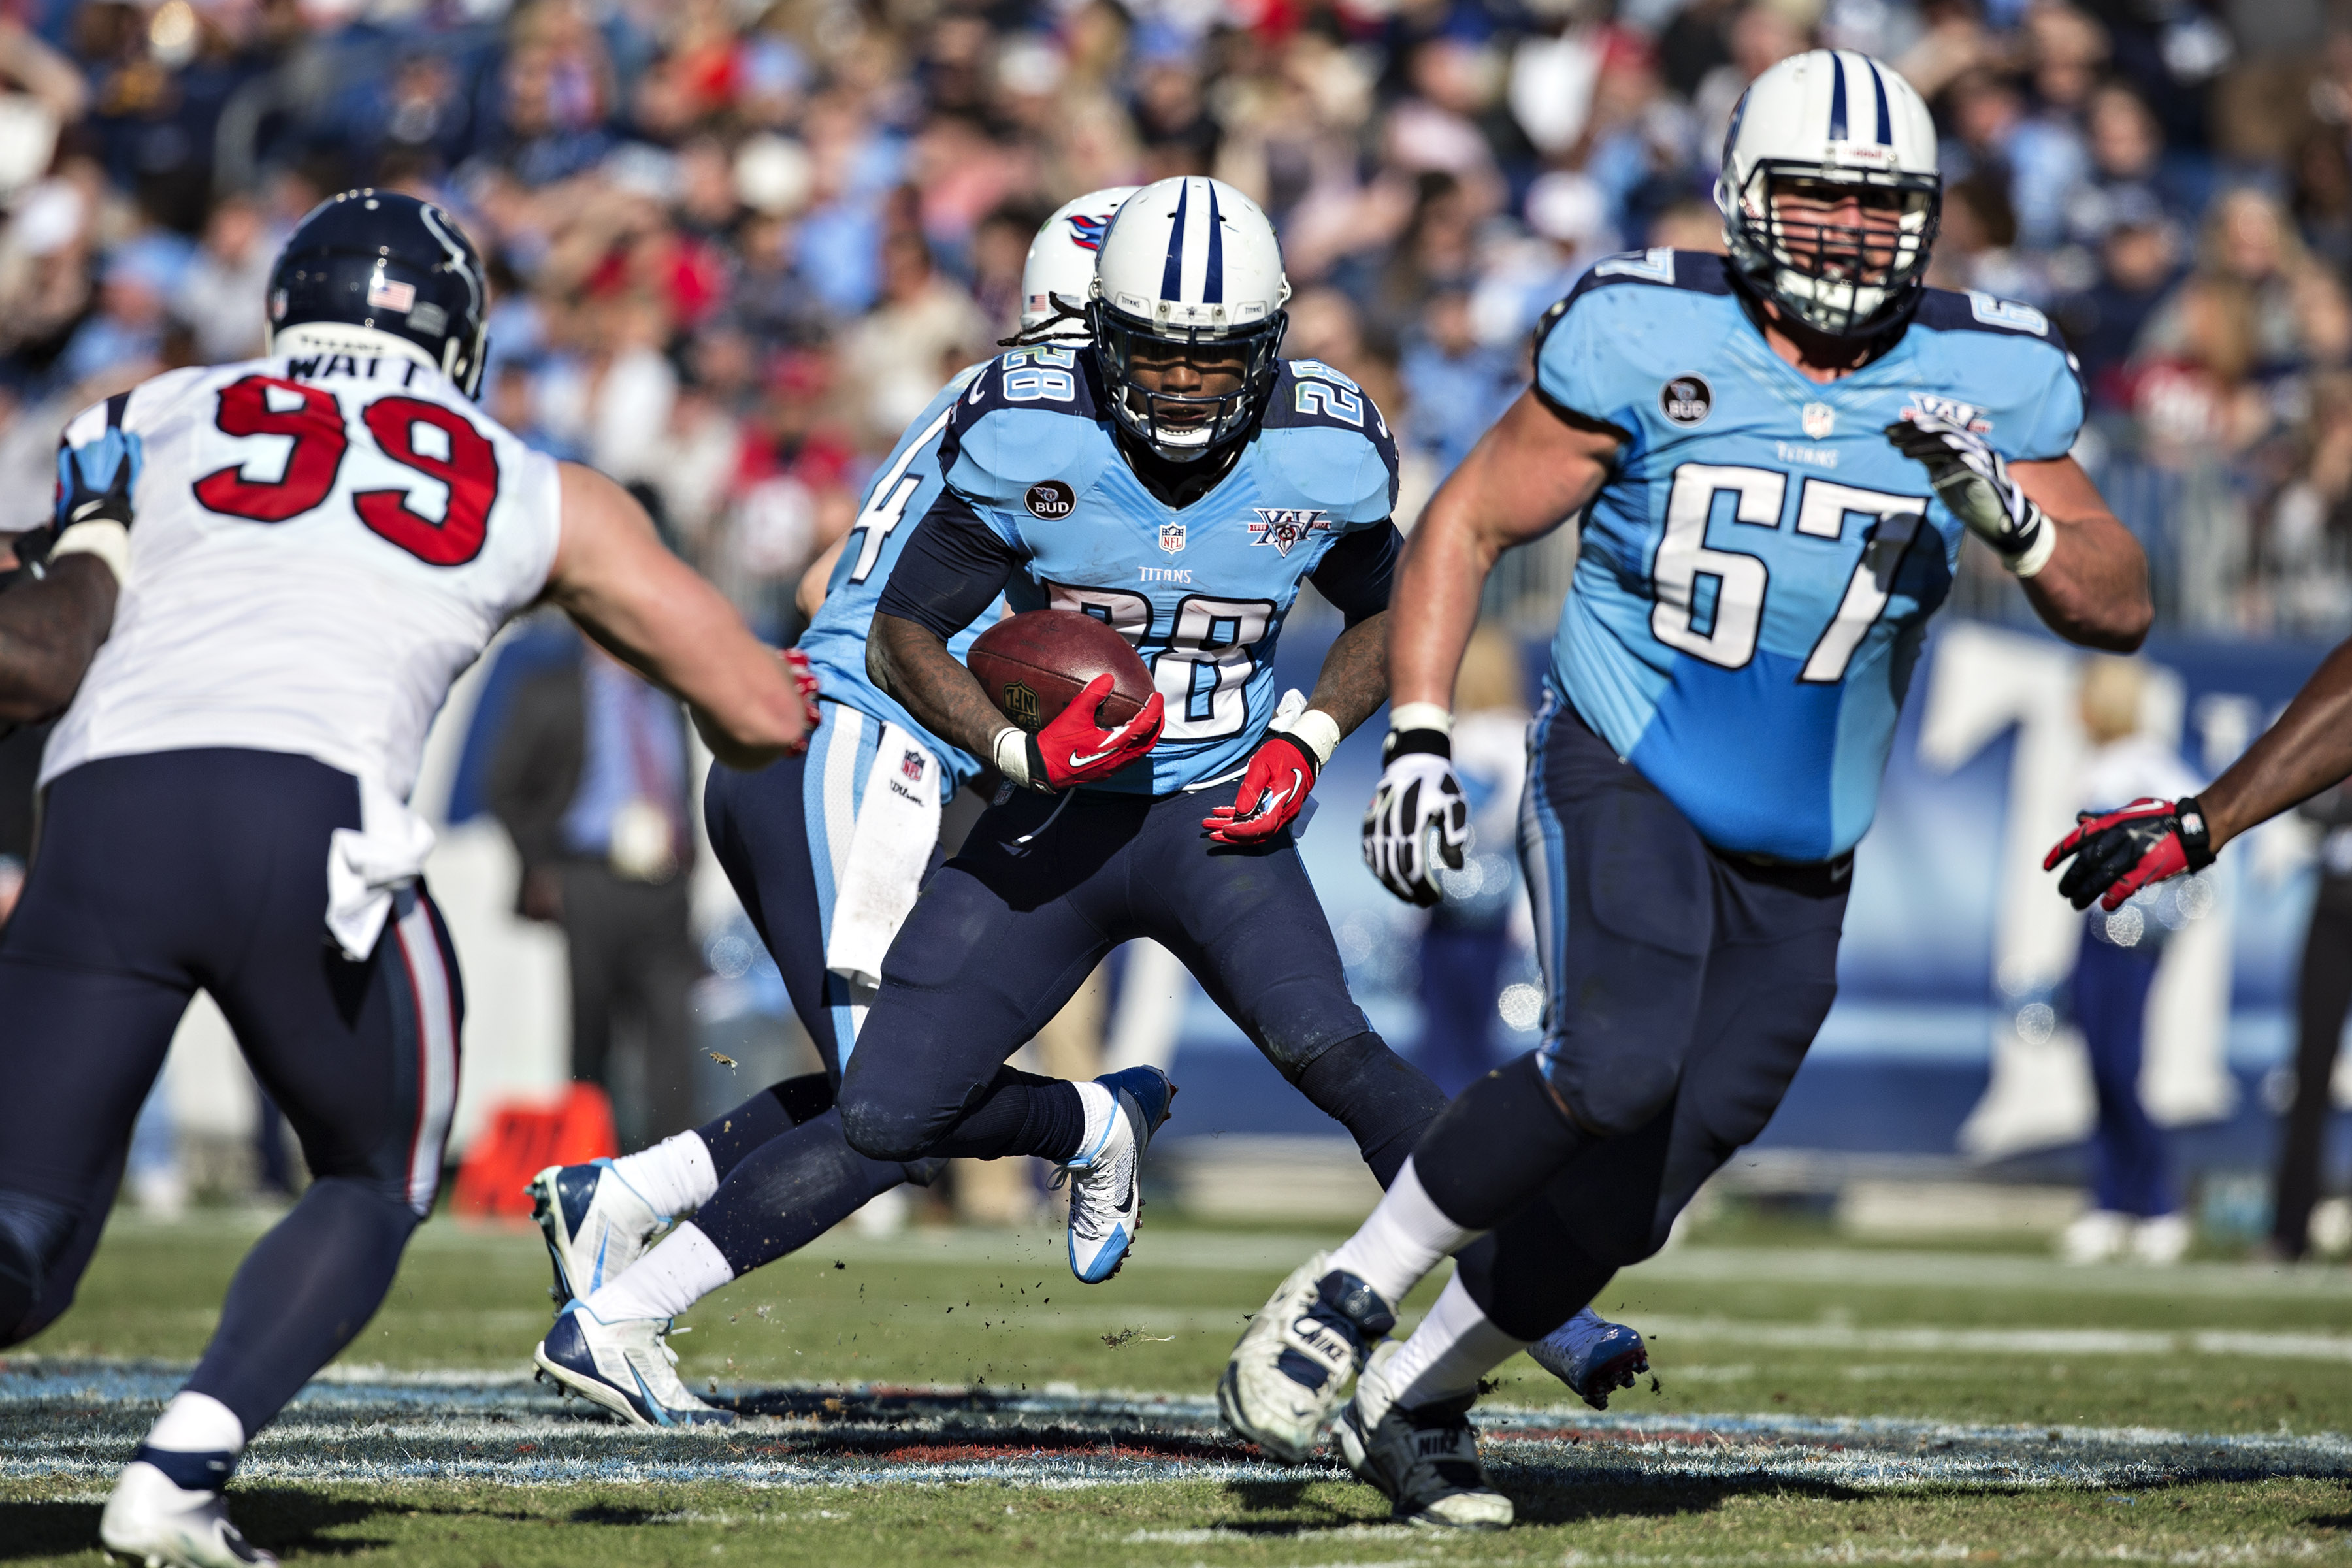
[1419, 815]
[1973, 481]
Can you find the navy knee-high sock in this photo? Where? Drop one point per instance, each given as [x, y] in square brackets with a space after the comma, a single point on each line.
[304, 1293]
[790, 1190]
[1022, 1114]
[1384, 1101]
[771, 1113]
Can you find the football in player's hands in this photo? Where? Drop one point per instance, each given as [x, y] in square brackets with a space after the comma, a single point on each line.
[1035, 664]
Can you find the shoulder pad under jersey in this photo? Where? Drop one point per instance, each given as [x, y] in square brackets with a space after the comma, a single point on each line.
[1028, 416]
[1327, 438]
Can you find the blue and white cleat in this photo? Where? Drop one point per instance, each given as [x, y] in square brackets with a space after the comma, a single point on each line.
[150, 1520]
[1106, 1199]
[594, 1223]
[626, 1367]
[1593, 1356]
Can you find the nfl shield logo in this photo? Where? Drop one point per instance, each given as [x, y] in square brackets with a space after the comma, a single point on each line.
[1819, 420]
[911, 765]
[1171, 537]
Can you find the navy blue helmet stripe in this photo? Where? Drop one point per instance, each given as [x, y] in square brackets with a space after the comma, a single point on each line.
[1171, 281]
[1212, 291]
[1837, 97]
[1886, 120]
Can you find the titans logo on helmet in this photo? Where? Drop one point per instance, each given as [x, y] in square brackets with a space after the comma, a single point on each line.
[1086, 230]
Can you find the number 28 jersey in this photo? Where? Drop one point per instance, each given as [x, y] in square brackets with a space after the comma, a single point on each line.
[1758, 570]
[321, 546]
[1039, 502]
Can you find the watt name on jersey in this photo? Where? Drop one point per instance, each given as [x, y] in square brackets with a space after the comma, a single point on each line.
[1758, 571]
[323, 545]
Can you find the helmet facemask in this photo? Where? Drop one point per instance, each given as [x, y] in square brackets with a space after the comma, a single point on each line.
[1845, 279]
[1237, 368]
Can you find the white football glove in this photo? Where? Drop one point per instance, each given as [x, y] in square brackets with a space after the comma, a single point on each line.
[1973, 481]
[1419, 815]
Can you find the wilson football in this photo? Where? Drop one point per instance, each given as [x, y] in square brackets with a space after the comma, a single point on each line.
[1035, 664]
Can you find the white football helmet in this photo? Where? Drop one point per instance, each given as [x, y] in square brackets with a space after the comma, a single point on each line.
[1189, 264]
[1060, 272]
[1831, 118]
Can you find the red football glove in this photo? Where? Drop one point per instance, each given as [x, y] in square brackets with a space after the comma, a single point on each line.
[1073, 749]
[796, 665]
[2118, 853]
[1281, 771]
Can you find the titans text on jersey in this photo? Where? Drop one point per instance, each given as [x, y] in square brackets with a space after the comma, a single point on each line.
[1756, 576]
[1039, 499]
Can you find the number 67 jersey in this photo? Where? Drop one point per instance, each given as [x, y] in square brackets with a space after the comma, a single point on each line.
[1758, 570]
[321, 546]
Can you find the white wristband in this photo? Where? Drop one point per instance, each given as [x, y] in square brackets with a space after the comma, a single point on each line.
[1421, 716]
[102, 537]
[1315, 730]
[1011, 750]
[2036, 555]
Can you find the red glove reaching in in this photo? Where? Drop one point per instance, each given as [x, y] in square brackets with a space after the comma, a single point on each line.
[805, 682]
[2118, 853]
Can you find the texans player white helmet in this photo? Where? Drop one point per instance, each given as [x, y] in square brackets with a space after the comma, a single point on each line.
[1059, 274]
[1189, 264]
[1822, 120]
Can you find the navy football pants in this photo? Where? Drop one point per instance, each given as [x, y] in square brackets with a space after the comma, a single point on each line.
[2131, 1159]
[1684, 987]
[1006, 931]
[159, 873]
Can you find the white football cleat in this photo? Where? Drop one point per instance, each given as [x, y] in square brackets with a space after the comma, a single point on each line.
[151, 1520]
[626, 1367]
[1105, 1198]
[594, 1223]
[1425, 1460]
[2095, 1236]
[1292, 1366]
[2161, 1240]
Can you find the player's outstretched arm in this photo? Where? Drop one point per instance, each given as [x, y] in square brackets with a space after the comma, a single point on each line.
[49, 631]
[1526, 476]
[2308, 749]
[614, 577]
[2094, 588]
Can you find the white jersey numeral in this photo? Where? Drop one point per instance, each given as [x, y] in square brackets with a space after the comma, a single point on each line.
[1204, 672]
[1742, 580]
[1685, 557]
[886, 503]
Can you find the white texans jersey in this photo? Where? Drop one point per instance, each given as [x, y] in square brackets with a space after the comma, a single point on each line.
[322, 544]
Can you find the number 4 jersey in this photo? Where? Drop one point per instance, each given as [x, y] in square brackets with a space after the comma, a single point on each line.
[1039, 502]
[1758, 571]
[321, 546]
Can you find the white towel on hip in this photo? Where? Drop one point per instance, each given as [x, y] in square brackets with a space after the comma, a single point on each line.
[366, 868]
[875, 882]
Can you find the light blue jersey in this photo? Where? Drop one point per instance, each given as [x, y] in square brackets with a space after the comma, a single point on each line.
[1758, 571]
[1202, 590]
[901, 491]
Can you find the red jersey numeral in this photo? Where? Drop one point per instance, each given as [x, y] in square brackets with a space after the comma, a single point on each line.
[466, 463]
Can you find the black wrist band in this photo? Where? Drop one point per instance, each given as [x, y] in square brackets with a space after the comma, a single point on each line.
[2196, 840]
[1402, 742]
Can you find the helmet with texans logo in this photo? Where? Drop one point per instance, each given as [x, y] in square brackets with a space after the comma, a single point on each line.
[1189, 264]
[1829, 119]
[1060, 271]
[375, 272]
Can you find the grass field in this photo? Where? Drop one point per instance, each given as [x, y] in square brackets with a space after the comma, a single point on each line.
[953, 1397]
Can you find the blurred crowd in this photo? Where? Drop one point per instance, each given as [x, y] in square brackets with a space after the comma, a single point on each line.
[738, 243]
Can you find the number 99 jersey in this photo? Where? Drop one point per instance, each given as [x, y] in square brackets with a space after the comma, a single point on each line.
[1758, 571]
[321, 545]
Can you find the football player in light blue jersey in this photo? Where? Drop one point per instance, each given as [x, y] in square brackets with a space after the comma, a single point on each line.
[1778, 455]
[826, 855]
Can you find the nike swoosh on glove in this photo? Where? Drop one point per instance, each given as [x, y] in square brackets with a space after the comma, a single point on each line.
[1281, 771]
[1419, 817]
[2118, 853]
[1973, 481]
[796, 665]
[1073, 747]
[79, 500]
